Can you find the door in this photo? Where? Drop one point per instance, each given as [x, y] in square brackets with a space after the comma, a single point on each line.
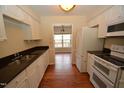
[62, 38]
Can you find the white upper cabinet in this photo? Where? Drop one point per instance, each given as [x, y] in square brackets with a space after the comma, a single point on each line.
[13, 11]
[113, 15]
[2, 28]
[26, 18]
[102, 26]
[22, 15]
[16, 13]
[35, 29]
[100, 22]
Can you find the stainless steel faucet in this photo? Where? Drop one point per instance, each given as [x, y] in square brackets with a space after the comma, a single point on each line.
[17, 56]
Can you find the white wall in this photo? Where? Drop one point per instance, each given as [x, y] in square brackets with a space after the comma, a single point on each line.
[113, 40]
[15, 41]
[47, 31]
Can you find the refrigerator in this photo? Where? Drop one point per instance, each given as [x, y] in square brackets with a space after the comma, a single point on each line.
[86, 40]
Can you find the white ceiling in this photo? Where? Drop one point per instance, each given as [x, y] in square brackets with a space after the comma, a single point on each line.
[79, 10]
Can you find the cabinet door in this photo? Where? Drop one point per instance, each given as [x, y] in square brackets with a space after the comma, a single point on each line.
[42, 63]
[32, 79]
[13, 11]
[26, 18]
[90, 63]
[46, 59]
[18, 81]
[2, 28]
[35, 29]
[39, 69]
[32, 75]
[102, 28]
[16, 13]
[115, 14]
[23, 84]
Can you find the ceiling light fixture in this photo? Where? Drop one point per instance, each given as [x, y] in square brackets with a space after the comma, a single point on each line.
[67, 8]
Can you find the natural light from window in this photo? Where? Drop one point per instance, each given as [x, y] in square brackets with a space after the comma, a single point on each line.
[62, 40]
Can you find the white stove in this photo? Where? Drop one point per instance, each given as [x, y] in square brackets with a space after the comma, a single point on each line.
[117, 51]
[108, 70]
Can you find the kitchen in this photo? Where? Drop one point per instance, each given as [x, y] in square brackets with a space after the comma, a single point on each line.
[28, 52]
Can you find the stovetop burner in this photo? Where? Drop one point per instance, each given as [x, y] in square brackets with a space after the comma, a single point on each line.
[112, 59]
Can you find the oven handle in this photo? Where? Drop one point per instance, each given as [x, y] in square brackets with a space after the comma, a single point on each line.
[109, 67]
[102, 77]
[100, 62]
[106, 65]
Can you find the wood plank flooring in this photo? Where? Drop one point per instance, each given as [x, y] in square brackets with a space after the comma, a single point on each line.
[64, 75]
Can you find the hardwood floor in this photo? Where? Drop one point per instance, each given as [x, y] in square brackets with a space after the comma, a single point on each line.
[64, 75]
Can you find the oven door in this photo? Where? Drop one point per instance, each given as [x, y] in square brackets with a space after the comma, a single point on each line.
[100, 81]
[106, 69]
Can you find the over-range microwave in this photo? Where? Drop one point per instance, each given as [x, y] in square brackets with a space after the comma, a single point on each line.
[116, 30]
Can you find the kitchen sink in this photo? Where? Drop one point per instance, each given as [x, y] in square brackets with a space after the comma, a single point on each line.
[27, 57]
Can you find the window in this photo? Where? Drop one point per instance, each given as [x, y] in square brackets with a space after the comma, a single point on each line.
[58, 40]
[66, 40]
[62, 40]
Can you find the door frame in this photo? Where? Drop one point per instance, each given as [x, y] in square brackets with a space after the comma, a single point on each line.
[53, 44]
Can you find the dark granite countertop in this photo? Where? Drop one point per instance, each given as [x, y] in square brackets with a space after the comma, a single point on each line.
[104, 51]
[9, 69]
[96, 52]
[106, 56]
[113, 59]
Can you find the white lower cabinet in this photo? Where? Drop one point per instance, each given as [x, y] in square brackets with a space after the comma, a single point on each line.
[90, 63]
[32, 75]
[32, 79]
[18, 81]
[23, 83]
[40, 69]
